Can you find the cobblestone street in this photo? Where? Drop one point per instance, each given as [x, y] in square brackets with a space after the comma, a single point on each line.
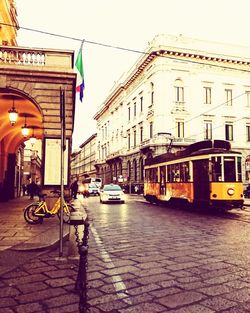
[142, 258]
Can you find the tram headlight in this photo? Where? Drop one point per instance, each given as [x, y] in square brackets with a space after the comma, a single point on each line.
[230, 191]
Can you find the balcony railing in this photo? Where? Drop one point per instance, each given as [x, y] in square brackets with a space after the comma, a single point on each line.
[10, 55]
[179, 106]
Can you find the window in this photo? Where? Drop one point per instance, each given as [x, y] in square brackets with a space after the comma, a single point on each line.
[207, 95]
[151, 130]
[248, 98]
[128, 141]
[248, 132]
[135, 169]
[141, 169]
[229, 169]
[141, 103]
[229, 97]
[141, 134]
[129, 113]
[152, 94]
[134, 138]
[179, 90]
[229, 132]
[208, 130]
[179, 129]
[134, 108]
[129, 170]
[216, 169]
[120, 168]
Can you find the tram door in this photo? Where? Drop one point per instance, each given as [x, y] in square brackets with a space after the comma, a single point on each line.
[201, 181]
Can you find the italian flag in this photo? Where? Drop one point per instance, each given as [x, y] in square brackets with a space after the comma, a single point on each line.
[80, 78]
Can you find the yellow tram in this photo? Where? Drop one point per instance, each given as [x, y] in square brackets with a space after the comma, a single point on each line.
[206, 174]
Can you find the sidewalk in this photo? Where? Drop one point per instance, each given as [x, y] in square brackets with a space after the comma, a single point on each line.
[33, 278]
[20, 241]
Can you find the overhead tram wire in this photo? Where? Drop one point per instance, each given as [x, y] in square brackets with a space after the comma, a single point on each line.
[205, 112]
[130, 50]
[118, 47]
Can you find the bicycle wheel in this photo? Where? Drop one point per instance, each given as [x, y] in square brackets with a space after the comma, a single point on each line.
[66, 213]
[30, 216]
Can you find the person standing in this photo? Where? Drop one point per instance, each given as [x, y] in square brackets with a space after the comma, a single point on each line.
[32, 189]
[74, 189]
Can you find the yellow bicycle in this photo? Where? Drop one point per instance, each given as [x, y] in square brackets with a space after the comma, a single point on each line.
[37, 211]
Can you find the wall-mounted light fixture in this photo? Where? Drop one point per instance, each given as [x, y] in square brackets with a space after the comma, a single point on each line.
[13, 114]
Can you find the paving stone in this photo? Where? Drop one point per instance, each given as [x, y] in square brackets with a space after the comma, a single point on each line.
[218, 303]
[26, 288]
[9, 291]
[60, 282]
[7, 302]
[60, 300]
[240, 295]
[60, 273]
[41, 295]
[142, 289]
[196, 308]
[29, 308]
[180, 299]
[215, 290]
[144, 307]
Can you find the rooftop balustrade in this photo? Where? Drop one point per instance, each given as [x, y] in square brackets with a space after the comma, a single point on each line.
[47, 58]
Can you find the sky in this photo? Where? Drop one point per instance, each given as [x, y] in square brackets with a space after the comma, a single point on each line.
[128, 24]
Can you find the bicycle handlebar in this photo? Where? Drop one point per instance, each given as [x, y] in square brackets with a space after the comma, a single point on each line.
[56, 191]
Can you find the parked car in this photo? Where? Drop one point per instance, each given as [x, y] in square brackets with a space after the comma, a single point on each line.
[112, 193]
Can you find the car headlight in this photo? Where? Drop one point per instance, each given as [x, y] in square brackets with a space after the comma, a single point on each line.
[230, 191]
[105, 196]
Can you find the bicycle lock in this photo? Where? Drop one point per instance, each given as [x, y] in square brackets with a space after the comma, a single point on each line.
[76, 219]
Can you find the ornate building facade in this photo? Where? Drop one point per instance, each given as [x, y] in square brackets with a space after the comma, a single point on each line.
[181, 90]
[30, 84]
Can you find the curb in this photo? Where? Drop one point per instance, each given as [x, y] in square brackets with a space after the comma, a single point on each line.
[32, 247]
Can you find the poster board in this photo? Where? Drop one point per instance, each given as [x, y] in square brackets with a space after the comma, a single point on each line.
[52, 162]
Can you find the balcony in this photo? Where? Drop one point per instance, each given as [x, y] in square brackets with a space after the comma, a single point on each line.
[31, 57]
[179, 107]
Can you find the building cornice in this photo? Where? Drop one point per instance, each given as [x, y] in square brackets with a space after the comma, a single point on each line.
[179, 54]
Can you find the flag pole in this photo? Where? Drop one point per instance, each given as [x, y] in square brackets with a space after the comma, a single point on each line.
[62, 118]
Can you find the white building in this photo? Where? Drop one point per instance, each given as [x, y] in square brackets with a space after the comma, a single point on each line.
[180, 88]
[83, 160]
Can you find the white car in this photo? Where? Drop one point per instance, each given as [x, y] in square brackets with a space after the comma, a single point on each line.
[112, 193]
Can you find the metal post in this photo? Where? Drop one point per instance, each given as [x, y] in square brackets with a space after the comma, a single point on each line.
[81, 281]
[62, 117]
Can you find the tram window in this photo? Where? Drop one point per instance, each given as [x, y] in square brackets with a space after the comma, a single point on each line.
[216, 168]
[229, 169]
[153, 177]
[162, 174]
[184, 172]
[173, 171]
[239, 168]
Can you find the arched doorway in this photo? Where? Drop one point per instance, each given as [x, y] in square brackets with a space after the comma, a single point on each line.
[12, 139]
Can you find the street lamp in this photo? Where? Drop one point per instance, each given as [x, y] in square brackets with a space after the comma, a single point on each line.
[25, 129]
[32, 138]
[13, 114]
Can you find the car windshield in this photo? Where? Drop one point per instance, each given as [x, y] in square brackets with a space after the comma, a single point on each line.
[112, 188]
[93, 186]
